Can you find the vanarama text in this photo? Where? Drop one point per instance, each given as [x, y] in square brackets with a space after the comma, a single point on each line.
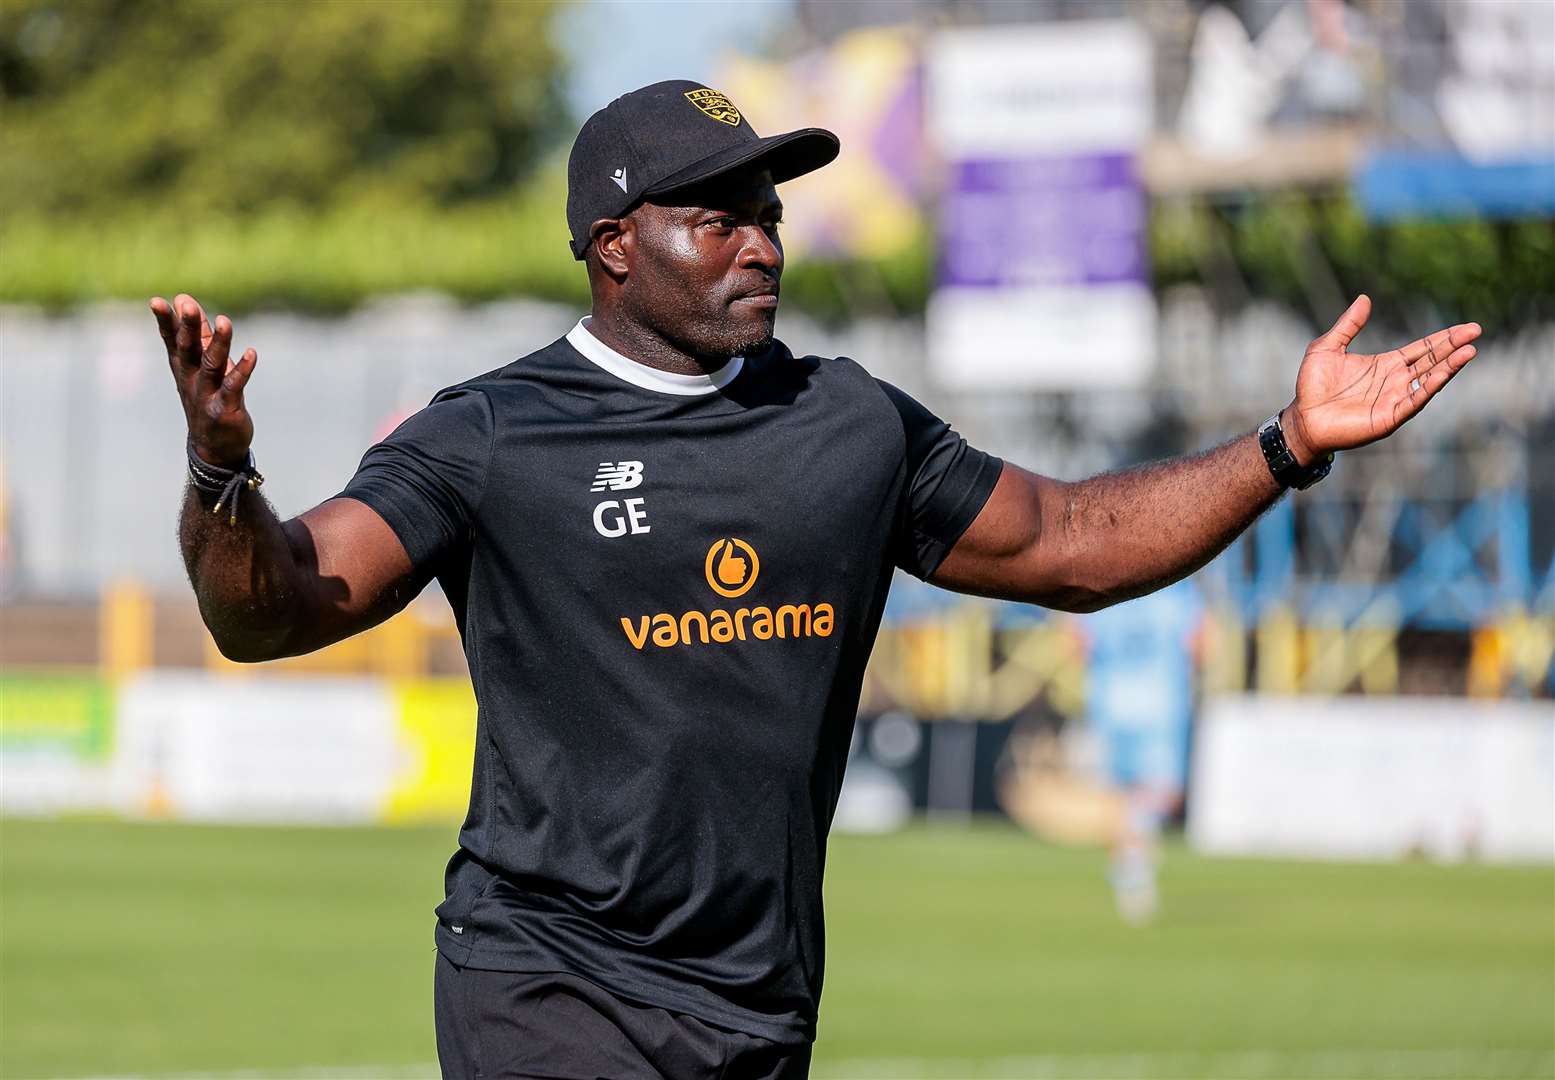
[719, 626]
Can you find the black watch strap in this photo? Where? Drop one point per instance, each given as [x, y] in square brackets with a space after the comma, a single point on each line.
[1282, 463]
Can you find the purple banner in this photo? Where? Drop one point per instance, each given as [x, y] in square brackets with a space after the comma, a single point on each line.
[1073, 220]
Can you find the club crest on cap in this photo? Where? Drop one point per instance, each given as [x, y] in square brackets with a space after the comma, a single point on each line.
[715, 105]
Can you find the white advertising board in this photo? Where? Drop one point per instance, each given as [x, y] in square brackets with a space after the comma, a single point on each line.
[254, 749]
[1043, 280]
[1052, 88]
[1374, 778]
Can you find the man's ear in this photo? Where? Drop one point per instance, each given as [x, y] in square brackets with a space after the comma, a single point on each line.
[614, 239]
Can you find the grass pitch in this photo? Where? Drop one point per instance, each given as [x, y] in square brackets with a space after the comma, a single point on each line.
[161, 950]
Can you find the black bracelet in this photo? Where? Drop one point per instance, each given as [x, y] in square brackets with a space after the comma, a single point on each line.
[1282, 463]
[226, 484]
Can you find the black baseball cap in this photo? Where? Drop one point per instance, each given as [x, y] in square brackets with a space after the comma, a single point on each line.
[667, 136]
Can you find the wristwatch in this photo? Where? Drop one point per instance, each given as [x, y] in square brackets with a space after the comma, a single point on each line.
[1282, 463]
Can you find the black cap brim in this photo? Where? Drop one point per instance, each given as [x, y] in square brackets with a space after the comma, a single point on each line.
[785, 156]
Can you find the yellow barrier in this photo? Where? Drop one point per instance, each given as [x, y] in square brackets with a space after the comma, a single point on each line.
[125, 625]
[436, 721]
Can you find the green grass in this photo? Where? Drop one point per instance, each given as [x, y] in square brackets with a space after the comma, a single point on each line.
[155, 950]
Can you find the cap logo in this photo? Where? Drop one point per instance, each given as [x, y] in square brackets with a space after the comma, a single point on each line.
[715, 105]
[619, 176]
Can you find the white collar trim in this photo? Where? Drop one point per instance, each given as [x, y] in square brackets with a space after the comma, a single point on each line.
[580, 337]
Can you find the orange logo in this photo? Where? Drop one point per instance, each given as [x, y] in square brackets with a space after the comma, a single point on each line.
[731, 567]
[715, 105]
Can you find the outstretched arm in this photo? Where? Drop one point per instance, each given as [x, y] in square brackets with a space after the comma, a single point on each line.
[1082, 546]
[268, 588]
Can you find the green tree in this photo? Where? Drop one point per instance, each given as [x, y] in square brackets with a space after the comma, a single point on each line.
[214, 108]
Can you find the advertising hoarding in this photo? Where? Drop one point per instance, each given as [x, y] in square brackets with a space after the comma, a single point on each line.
[1043, 278]
[1374, 778]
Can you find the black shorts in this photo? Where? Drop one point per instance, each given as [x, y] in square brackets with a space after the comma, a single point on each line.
[508, 1024]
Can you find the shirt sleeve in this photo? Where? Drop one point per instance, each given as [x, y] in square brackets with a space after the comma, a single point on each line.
[427, 477]
[948, 481]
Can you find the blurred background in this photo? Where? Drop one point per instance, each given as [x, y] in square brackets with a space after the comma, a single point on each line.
[1295, 817]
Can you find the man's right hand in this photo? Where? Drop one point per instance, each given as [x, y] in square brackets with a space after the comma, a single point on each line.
[209, 384]
[270, 588]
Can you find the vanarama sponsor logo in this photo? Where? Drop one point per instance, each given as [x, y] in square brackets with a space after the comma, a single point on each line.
[731, 567]
[719, 626]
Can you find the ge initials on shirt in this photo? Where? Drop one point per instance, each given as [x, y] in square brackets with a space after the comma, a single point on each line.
[614, 518]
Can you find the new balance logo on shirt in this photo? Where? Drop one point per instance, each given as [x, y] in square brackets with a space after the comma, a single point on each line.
[618, 475]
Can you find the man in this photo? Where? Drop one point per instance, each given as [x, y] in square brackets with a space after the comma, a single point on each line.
[667, 542]
[1139, 704]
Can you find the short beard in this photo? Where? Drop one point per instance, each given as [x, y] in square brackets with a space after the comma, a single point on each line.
[716, 341]
[748, 342]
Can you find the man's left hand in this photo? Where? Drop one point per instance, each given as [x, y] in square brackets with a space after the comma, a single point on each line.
[1345, 399]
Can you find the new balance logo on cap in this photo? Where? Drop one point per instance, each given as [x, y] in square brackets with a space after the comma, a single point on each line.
[619, 176]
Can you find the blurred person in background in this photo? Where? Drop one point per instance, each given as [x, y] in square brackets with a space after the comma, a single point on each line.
[1139, 703]
[11, 566]
[637, 889]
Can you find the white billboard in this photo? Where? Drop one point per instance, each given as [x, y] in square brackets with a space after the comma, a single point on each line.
[1043, 277]
[256, 748]
[1375, 778]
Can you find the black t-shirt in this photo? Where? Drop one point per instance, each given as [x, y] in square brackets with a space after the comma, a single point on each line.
[667, 588]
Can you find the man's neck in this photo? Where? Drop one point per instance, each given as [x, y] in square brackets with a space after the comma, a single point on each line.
[639, 343]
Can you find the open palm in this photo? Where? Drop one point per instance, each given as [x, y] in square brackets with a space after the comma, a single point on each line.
[210, 384]
[1346, 399]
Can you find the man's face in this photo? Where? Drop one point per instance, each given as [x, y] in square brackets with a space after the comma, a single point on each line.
[704, 267]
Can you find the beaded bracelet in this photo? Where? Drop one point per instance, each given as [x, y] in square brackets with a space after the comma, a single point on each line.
[226, 484]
